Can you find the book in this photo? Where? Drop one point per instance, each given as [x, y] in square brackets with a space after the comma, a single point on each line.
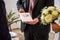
[25, 17]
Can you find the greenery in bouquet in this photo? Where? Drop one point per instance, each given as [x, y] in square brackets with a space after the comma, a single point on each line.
[49, 15]
[11, 19]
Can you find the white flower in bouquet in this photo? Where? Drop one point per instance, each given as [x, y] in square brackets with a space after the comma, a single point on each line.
[49, 14]
[42, 17]
[45, 11]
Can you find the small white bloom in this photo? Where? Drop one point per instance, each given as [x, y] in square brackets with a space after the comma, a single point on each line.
[42, 17]
[45, 11]
[51, 8]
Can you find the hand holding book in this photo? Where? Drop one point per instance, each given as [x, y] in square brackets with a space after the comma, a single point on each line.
[26, 18]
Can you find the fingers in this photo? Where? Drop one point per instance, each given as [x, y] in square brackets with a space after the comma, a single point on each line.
[35, 21]
[21, 11]
[30, 22]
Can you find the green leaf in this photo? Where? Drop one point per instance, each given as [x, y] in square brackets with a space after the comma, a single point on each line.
[10, 15]
[14, 18]
[11, 19]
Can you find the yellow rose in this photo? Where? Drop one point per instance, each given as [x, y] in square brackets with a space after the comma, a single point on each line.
[54, 13]
[48, 18]
[51, 8]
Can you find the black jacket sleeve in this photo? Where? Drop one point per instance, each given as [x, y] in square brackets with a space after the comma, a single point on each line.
[19, 4]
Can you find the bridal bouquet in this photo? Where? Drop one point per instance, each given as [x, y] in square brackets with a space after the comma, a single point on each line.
[49, 14]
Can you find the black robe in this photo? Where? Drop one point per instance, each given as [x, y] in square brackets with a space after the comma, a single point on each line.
[4, 32]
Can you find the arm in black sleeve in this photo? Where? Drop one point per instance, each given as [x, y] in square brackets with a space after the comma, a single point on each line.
[19, 4]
